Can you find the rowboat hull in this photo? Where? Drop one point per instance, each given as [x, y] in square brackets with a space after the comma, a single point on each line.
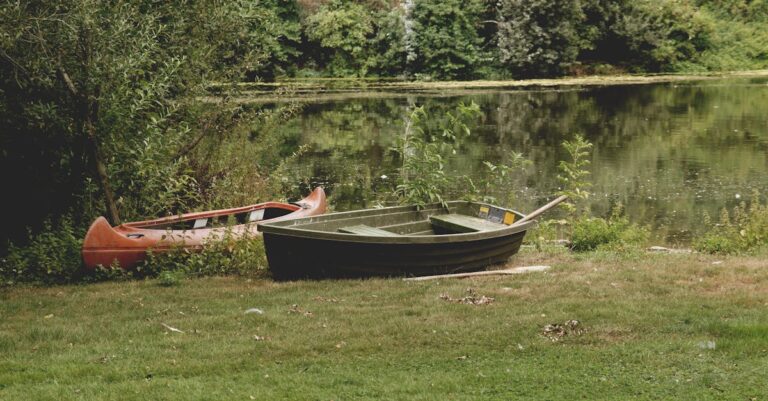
[329, 259]
[128, 243]
[314, 247]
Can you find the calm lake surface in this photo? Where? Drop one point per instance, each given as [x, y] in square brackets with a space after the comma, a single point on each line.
[667, 152]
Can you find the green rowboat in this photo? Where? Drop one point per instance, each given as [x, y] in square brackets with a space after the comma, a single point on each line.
[395, 241]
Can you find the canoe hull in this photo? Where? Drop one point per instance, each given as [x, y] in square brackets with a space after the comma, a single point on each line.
[128, 243]
[292, 257]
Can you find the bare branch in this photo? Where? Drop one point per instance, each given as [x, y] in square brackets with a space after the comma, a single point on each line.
[68, 81]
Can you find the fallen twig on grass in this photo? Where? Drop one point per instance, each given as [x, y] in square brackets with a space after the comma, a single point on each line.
[662, 249]
[516, 270]
[173, 329]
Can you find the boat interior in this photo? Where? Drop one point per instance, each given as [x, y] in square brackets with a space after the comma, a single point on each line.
[458, 218]
[224, 220]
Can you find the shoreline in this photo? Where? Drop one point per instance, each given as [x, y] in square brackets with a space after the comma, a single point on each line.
[334, 89]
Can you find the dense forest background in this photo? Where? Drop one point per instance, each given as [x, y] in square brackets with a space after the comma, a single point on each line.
[100, 101]
[473, 39]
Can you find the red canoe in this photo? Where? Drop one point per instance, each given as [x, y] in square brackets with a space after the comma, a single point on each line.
[128, 243]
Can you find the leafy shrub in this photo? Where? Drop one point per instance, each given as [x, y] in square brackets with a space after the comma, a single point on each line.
[51, 256]
[743, 230]
[590, 233]
[224, 255]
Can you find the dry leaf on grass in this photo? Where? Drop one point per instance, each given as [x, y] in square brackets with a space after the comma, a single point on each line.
[557, 331]
[295, 309]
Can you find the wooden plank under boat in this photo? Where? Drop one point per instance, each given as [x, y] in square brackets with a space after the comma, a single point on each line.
[394, 241]
[128, 243]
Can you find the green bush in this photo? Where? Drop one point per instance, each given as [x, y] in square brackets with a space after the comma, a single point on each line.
[742, 230]
[51, 256]
[718, 243]
[221, 256]
[590, 233]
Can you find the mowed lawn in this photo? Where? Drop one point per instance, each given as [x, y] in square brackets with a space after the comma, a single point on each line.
[655, 327]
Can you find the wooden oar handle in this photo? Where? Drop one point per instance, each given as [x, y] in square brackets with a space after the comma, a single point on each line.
[541, 210]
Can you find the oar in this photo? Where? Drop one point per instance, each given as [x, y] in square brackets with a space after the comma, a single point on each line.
[540, 210]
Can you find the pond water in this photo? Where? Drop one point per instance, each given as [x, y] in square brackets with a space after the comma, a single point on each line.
[667, 152]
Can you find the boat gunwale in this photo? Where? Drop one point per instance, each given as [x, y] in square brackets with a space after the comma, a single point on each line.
[147, 224]
[293, 228]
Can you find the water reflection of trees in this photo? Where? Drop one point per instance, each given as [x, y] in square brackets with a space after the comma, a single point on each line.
[667, 152]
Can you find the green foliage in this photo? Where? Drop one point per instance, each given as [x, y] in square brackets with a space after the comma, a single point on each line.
[275, 34]
[742, 10]
[744, 229]
[423, 177]
[107, 97]
[738, 38]
[551, 37]
[169, 278]
[614, 233]
[539, 37]
[446, 41]
[661, 34]
[222, 255]
[388, 55]
[49, 257]
[341, 28]
[574, 174]
[498, 176]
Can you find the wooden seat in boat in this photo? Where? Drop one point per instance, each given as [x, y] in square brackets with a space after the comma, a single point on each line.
[362, 229]
[463, 224]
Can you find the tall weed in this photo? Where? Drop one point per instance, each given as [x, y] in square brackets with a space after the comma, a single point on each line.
[423, 176]
[743, 229]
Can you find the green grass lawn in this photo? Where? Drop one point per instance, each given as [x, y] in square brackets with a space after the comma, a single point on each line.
[648, 321]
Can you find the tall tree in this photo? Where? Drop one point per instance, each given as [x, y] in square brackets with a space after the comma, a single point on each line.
[539, 37]
[107, 92]
[342, 29]
[446, 41]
